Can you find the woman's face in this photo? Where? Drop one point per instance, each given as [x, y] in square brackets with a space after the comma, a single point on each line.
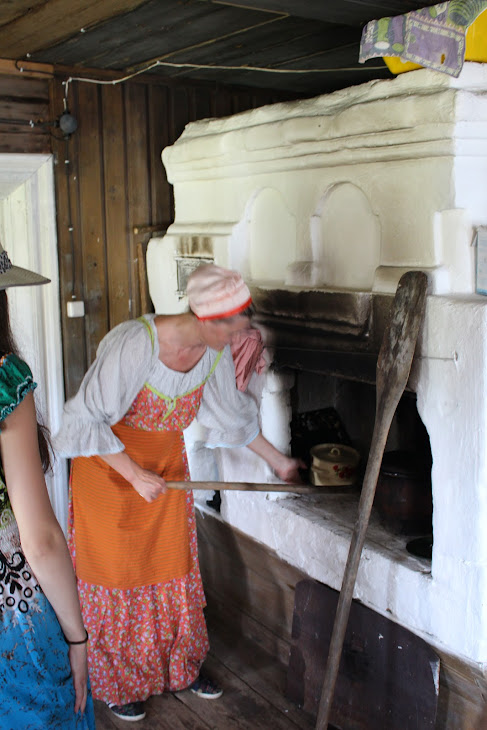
[218, 333]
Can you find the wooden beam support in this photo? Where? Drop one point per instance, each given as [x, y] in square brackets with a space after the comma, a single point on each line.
[52, 21]
[25, 69]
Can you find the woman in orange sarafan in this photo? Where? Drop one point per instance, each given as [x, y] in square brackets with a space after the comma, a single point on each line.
[133, 540]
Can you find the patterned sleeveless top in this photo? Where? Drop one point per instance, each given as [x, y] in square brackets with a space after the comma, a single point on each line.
[18, 585]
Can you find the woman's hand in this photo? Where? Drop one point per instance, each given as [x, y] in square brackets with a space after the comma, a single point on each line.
[148, 484]
[79, 670]
[288, 471]
[285, 467]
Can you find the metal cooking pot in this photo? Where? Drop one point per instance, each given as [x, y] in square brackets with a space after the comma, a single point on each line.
[334, 464]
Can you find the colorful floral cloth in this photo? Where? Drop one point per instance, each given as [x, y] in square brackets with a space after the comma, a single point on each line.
[149, 639]
[36, 687]
[433, 37]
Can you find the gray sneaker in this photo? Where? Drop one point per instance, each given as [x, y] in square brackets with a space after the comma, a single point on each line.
[206, 688]
[131, 712]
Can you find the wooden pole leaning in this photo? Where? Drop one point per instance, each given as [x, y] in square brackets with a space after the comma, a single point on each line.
[393, 367]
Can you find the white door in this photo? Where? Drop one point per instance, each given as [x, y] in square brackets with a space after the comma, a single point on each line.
[28, 234]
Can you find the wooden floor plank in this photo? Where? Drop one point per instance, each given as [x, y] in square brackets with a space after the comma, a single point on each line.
[240, 708]
[166, 712]
[259, 671]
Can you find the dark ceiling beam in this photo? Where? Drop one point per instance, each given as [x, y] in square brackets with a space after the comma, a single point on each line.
[53, 21]
[275, 50]
[154, 30]
[347, 12]
[210, 42]
[9, 10]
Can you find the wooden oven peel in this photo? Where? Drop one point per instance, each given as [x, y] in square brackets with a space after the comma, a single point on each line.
[393, 367]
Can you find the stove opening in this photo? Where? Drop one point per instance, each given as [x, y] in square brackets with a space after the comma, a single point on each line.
[337, 411]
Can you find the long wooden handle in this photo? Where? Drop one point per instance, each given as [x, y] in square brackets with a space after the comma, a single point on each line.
[249, 487]
[393, 367]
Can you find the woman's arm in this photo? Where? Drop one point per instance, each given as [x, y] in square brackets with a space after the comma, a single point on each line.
[286, 467]
[231, 419]
[123, 361]
[41, 536]
[147, 483]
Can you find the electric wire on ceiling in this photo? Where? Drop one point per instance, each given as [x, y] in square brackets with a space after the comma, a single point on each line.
[202, 66]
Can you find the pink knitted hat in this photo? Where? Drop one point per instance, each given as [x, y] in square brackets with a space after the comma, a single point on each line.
[215, 292]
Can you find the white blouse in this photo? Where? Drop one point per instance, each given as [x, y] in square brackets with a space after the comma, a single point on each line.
[126, 359]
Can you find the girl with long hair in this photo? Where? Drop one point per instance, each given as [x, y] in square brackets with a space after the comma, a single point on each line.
[43, 641]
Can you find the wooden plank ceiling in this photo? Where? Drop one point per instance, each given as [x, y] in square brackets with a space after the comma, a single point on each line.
[298, 46]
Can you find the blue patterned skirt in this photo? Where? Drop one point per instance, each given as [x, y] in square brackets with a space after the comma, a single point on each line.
[36, 686]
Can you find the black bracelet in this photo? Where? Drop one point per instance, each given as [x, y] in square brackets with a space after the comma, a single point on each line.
[74, 643]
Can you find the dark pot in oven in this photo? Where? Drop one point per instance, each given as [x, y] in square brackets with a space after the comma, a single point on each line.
[403, 496]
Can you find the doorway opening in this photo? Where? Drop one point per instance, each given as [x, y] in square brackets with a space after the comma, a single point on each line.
[28, 234]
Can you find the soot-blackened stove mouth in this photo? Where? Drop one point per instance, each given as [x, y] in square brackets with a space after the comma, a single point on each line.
[330, 332]
[334, 336]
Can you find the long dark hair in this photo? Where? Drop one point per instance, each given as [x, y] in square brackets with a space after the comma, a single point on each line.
[7, 345]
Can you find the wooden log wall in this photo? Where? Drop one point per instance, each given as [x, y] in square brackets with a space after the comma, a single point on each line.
[111, 190]
[113, 195]
[24, 106]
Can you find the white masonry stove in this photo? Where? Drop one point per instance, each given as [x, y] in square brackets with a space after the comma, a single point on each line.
[327, 201]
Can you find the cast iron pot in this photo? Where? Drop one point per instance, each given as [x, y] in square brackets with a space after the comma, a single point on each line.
[403, 496]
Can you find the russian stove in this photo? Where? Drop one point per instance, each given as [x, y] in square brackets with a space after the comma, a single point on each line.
[337, 196]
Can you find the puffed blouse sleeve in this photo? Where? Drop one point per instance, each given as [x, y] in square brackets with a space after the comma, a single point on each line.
[229, 416]
[122, 364]
[15, 382]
